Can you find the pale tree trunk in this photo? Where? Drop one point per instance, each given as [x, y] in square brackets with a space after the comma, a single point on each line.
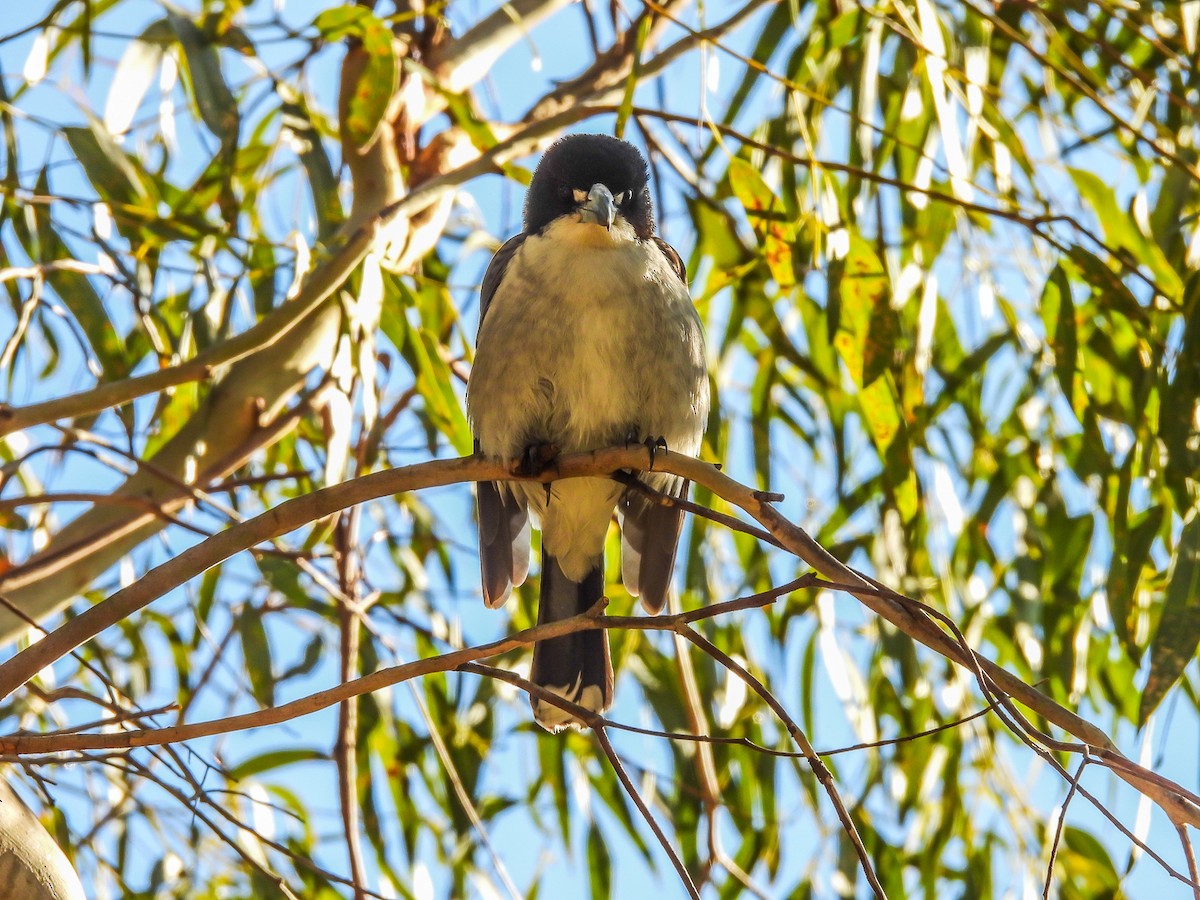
[32, 866]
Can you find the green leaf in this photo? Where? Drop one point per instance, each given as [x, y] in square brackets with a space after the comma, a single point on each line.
[865, 339]
[275, 759]
[314, 650]
[1176, 422]
[322, 180]
[75, 290]
[1178, 635]
[214, 100]
[376, 83]
[375, 86]
[1086, 867]
[1058, 316]
[115, 176]
[1129, 557]
[843, 29]
[1122, 232]
[421, 350]
[284, 576]
[631, 81]
[881, 408]
[181, 402]
[769, 218]
[599, 864]
[867, 326]
[343, 21]
[204, 603]
[553, 769]
[256, 650]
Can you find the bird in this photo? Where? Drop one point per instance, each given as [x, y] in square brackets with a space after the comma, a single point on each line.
[588, 338]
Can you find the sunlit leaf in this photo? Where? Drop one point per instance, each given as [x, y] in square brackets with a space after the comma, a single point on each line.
[1122, 232]
[768, 216]
[376, 78]
[135, 73]
[275, 759]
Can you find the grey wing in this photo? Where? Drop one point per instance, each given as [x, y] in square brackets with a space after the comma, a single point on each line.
[503, 541]
[649, 530]
[649, 536]
[503, 522]
[672, 257]
[496, 269]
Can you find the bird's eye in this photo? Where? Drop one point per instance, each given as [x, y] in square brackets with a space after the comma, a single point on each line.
[622, 197]
[579, 195]
[564, 192]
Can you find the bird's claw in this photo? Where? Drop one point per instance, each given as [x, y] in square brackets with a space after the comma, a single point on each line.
[535, 459]
[653, 445]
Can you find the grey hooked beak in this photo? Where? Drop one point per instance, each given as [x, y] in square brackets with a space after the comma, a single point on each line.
[599, 208]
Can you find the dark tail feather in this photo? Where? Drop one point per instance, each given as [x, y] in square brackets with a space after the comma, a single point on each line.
[574, 666]
[649, 534]
[503, 542]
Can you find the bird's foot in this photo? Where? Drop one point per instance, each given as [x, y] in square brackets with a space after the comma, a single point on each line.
[653, 444]
[535, 460]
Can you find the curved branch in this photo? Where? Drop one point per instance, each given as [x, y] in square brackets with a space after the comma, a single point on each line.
[459, 64]
[905, 614]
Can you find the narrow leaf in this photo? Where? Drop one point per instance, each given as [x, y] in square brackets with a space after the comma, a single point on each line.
[867, 328]
[1178, 635]
[769, 217]
[256, 651]
[135, 74]
[1058, 315]
[599, 864]
[375, 86]
[112, 173]
[1121, 231]
[214, 100]
[275, 759]
[1125, 571]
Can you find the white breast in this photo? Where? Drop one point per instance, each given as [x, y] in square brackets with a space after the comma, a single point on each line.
[590, 335]
[590, 338]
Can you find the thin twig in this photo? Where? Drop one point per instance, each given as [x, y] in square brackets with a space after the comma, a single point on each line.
[1062, 820]
[819, 769]
[632, 791]
[345, 750]
[1189, 854]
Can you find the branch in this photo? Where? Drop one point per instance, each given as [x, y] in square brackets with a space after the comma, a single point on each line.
[273, 715]
[326, 278]
[345, 748]
[904, 613]
[615, 762]
[1062, 820]
[319, 285]
[819, 769]
[460, 63]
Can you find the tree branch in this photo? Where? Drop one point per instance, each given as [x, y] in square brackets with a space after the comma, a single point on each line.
[904, 613]
[458, 64]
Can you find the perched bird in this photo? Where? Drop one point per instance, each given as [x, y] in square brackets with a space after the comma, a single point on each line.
[587, 338]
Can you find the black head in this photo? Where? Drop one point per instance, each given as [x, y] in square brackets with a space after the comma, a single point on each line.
[578, 161]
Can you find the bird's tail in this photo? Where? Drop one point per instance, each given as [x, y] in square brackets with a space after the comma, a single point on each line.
[575, 666]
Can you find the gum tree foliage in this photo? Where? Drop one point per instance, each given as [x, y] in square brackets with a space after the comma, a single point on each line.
[945, 253]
